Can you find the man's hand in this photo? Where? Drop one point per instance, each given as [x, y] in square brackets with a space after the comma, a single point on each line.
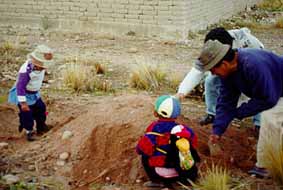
[24, 107]
[214, 139]
[180, 96]
[214, 145]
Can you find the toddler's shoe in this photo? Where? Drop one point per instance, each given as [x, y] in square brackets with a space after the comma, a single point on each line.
[30, 137]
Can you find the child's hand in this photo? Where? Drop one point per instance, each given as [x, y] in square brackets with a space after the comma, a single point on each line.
[24, 107]
[180, 96]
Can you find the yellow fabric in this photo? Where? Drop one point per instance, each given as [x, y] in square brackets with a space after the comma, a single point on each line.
[183, 145]
[186, 158]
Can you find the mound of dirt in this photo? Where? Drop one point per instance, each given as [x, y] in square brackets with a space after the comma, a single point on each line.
[110, 150]
[114, 127]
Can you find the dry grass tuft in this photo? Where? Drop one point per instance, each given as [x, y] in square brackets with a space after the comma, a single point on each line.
[78, 77]
[215, 178]
[146, 76]
[10, 54]
[271, 5]
[279, 23]
[100, 69]
[252, 25]
[7, 47]
[81, 77]
[174, 80]
[218, 178]
[240, 23]
[103, 85]
[99, 66]
[273, 154]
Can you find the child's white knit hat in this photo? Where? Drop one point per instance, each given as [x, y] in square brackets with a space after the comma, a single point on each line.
[38, 54]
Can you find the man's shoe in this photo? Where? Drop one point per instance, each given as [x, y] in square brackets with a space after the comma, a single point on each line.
[30, 136]
[259, 172]
[207, 119]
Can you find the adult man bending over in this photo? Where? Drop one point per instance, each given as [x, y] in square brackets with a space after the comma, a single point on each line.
[238, 38]
[256, 73]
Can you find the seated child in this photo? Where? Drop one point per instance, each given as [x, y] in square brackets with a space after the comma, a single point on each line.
[168, 149]
[25, 92]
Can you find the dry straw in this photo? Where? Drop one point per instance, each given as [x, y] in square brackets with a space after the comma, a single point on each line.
[146, 75]
[83, 76]
[272, 5]
[215, 178]
[273, 153]
[279, 23]
[219, 178]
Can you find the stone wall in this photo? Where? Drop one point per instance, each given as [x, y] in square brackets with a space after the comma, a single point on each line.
[165, 18]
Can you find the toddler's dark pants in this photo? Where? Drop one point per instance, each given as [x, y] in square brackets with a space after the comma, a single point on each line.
[36, 113]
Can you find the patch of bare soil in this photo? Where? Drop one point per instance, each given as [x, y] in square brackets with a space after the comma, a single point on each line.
[8, 114]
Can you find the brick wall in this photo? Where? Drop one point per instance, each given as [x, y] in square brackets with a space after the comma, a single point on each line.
[166, 18]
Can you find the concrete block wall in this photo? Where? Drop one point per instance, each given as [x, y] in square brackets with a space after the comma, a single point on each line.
[205, 12]
[165, 18]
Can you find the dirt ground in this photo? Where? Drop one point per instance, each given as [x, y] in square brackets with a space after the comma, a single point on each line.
[102, 149]
[106, 127]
